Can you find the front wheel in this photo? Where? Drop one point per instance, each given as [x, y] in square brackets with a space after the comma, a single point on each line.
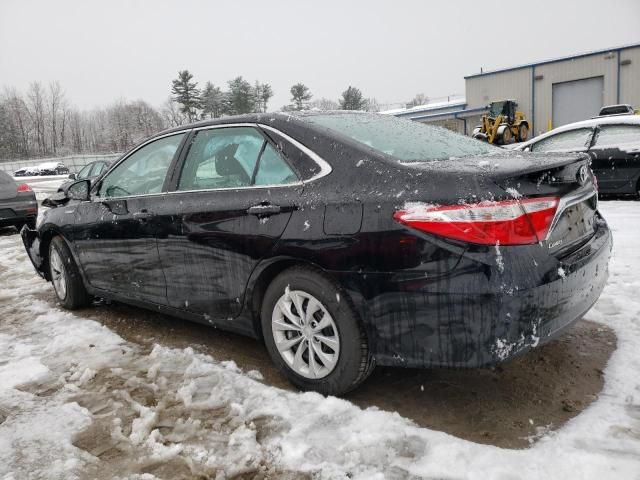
[523, 132]
[65, 276]
[312, 333]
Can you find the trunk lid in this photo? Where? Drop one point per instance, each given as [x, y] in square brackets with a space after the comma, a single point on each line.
[565, 176]
[523, 175]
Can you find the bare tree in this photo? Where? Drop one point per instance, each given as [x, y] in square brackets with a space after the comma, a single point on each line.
[54, 103]
[35, 107]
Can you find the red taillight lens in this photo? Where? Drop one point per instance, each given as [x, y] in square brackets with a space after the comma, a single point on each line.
[23, 187]
[508, 222]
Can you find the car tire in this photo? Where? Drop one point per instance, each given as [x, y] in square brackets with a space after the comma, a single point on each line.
[65, 276]
[340, 358]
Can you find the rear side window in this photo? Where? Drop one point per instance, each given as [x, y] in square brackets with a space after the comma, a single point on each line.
[616, 135]
[577, 139]
[406, 140]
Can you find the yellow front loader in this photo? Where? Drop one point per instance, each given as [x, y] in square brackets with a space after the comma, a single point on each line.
[503, 124]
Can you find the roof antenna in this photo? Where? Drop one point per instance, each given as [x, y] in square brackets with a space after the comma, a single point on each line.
[480, 69]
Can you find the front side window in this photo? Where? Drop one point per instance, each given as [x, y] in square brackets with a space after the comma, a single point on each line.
[573, 140]
[98, 169]
[616, 135]
[232, 157]
[406, 140]
[84, 173]
[143, 171]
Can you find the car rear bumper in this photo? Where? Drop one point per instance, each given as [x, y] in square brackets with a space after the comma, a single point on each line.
[416, 322]
[16, 212]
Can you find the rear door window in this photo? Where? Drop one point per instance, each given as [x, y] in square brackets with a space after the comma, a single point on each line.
[273, 170]
[233, 157]
[573, 140]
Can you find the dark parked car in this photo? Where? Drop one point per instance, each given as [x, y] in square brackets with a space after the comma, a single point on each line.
[621, 109]
[613, 143]
[91, 171]
[343, 240]
[18, 204]
[26, 172]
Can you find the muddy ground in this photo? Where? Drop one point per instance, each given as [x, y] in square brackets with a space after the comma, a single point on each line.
[509, 406]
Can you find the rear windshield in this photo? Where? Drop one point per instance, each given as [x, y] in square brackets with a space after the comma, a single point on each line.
[5, 178]
[406, 140]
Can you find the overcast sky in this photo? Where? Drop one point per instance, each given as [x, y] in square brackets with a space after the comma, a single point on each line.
[391, 50]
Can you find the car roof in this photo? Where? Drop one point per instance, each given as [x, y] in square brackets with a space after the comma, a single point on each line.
[592, 122]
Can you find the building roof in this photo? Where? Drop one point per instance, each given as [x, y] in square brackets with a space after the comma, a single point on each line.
[554, 60]
[428, 107]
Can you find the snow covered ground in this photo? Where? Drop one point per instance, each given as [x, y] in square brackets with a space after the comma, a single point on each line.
[78, 401]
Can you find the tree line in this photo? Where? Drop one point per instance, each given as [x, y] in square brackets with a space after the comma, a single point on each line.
[41, 122]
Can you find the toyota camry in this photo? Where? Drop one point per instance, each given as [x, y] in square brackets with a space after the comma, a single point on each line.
[342, 240]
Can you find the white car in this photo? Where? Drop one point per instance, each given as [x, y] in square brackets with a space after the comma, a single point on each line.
[612, 142]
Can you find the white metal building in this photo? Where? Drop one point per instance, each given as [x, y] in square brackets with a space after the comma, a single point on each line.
[550, 93]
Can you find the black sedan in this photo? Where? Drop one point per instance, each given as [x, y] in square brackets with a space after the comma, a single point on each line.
[18, 204]
[612, 142]
[344, 240]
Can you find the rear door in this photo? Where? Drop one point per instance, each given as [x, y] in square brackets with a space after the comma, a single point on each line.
[233, 197]
[616, 158]
[115, 232]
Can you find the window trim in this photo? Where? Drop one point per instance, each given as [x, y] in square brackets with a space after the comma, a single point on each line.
[170, 185]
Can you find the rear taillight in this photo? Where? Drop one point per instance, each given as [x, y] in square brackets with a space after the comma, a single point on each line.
[23, 187]
[509, 222]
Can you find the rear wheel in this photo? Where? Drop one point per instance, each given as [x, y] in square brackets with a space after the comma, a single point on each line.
[65, 276]
[312, 333]
[523, 132]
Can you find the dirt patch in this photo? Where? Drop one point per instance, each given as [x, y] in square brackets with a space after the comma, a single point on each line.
[509, 406]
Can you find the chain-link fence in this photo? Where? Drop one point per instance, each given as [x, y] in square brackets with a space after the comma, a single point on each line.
[73, 162]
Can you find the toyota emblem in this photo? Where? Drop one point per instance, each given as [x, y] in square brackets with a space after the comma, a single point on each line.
[583, 175]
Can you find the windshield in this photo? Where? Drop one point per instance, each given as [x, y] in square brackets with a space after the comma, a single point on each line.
[406, 140]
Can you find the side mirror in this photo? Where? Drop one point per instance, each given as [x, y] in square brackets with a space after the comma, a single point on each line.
[73, 176]
[78, 190]
[527, 149]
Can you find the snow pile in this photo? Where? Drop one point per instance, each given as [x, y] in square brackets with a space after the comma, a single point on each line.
[77, 401]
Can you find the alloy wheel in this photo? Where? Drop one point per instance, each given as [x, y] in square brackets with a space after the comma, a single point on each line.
[305, 334]
[58, 274]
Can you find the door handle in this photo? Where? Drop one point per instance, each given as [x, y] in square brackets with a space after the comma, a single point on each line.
[142, 215]
[264, 210]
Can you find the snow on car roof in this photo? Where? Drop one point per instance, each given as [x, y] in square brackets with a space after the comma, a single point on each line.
[46, 165]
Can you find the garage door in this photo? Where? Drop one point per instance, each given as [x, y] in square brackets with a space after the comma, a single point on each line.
[577, 100]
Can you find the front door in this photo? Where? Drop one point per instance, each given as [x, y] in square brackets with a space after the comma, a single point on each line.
[115, 232]
[231, 203]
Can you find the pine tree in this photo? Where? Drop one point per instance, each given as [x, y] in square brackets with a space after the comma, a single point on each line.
[186, 93]
[352, 99]
[267, 93]
[300, 95]
[214, 101]
[241, 96]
